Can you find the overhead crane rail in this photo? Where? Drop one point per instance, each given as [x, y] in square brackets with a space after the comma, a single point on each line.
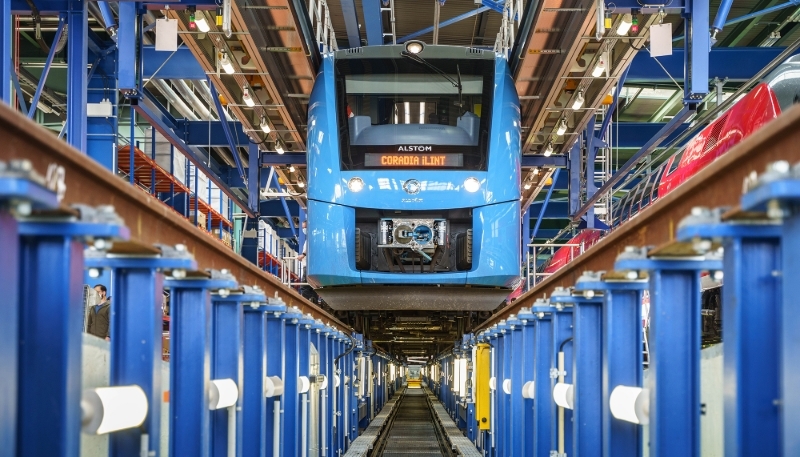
[719, 184]
[150, 221]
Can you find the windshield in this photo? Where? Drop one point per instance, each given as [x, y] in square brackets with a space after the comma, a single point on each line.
[402, 113]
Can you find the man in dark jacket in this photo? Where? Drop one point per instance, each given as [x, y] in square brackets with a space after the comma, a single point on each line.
[99, 314]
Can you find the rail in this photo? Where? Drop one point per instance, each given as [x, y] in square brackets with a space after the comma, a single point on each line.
[150, 221]
[534, 250]
[719, 184]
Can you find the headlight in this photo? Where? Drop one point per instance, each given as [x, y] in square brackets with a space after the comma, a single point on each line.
[355, 184]
[472, 184]
[414, 47]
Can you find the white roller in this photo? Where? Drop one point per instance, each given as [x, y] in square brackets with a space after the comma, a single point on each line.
[324, 384]
[630, 404]
[507, 386]
[303, 384]
[336, 380]
[528, 390]
[493, 383]
[222, 393]
[108, 409]
[273, 386]
[563, 395]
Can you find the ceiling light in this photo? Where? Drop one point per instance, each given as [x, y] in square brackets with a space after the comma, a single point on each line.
[265, 124]
[548, 150]
[279, 148]
[527, 185]
[624, 24]
[599, 68]
[291, 168]
[415, 47]
[201, 23]
[578, 103]
[225, 63]
[301, 184]
[562, 127]
[246, 98]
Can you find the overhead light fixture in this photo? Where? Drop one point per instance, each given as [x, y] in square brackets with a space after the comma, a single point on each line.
[548, 150]
[279, 148]
[599, 67]
[201, 23]
[625, 24]
[265, 125]
[527, 185]
[578, 103]
[415, 47]
[225, 63]
[247, 98]
[301, 184]
[562, 127]
[291, 168]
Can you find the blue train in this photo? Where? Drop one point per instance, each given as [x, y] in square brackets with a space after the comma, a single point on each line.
[414, 179]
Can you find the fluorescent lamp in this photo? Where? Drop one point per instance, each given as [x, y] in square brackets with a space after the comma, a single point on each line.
[578, 103]
[265, 125]
[630, 404]
[108, 409]
[599, 68]
[201, 23]
[548, 150]
[222, 393]
[527, 185]
[225, 63]
[291, 168]
[562, 127]
[279, 148]
[247, 99]
[301, 184]
[625, 24]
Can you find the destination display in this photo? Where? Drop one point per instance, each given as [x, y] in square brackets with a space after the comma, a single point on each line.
[394, 159]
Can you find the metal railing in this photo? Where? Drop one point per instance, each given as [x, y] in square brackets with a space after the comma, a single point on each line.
[512, 14]
[320, 15]
[291, 265]
[535, 276]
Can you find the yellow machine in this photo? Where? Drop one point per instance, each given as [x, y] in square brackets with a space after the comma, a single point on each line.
[483, 367]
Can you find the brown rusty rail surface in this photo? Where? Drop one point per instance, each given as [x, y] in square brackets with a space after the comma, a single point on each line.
[719, 184]
[149, 220]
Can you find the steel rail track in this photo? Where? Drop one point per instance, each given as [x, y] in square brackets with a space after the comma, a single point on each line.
[719, 184]
[150, 221]
[412, 430]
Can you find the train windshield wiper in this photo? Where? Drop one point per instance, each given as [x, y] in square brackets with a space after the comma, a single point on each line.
[456, 83]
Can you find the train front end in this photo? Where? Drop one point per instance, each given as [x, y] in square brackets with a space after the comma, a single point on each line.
[414, 168]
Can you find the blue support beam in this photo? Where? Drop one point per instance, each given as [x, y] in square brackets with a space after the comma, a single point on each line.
[373, 22]
[544, 204]
[697, 47]
[5, 53]
[46, 69]
[529, 161]
[736, 64]
[212, 133]
[54, 7]
[253, 178]
[227, 129]
[180, 64]
[126, 46]
[351, 23]
[78, 55]
[637, 134]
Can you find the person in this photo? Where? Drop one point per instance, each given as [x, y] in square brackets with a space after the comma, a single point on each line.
[303, 255]
[99, 315]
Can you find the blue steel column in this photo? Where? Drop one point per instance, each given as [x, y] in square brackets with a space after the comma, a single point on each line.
[254, 360]
[51, 314]
[517, 410]
[291, 396]
[528, 364]
[697, 46]
[562, 341]
[543, 383]
[778, 190]
[276, 343]
[5, 53]
[675, 339]
[587, 370]
[190, 365]
[78, 60]
[16, 194]
[226, 361]
[136, 329]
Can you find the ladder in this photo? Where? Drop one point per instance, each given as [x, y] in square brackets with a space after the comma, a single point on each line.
[389, 6]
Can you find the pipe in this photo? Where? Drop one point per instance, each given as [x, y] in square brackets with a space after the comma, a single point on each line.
[174, 100]
[493, 406]
[560, 408]
[188, 94]
[323, 425]
[232, 431]
[719, 20]
[304, 425]
[276, 429]
[108, 18]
